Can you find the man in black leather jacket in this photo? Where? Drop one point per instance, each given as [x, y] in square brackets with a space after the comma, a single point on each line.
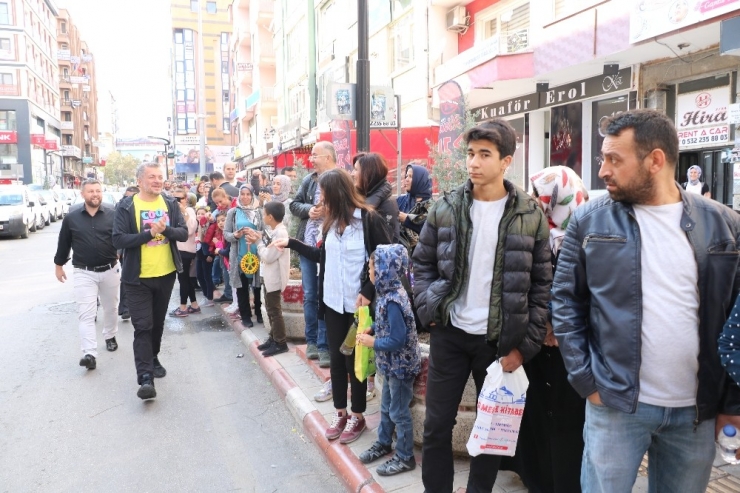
[645, 280]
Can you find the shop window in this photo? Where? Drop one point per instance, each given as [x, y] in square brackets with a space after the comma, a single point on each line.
[402, 43]
[566, 136]
[601, 111]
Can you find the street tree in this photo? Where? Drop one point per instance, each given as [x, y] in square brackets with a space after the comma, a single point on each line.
[120, 169]
[449, 169]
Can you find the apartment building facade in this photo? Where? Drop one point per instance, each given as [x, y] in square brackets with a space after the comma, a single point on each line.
[78, 103]
[555, 69]
[254, 115]
[29, 92]
[188, 106]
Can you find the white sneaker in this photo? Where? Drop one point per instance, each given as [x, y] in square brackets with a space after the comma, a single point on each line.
[232, 308]
[324, 394]
[370, 390]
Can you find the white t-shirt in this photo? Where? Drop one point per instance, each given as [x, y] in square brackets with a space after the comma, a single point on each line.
[694, 188]
[470, 310]
[670, 309]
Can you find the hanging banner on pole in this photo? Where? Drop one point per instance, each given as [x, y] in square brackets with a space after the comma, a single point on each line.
[452, 116]
[341, 138]
[340, 101]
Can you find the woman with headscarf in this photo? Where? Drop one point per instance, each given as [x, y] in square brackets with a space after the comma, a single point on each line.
[415, 204]
[550, 446]
[694, 185]
[246, 215]
[282, 188]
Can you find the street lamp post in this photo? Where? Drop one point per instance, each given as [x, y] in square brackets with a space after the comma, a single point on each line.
[363, 79]
[166, 145]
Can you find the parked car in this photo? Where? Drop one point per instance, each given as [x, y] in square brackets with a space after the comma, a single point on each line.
[66, 197]
[41, 209]
[108, 198]
[56, 209]
[16, 211]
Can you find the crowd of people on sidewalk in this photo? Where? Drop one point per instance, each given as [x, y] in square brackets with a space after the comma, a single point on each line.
[573, 290]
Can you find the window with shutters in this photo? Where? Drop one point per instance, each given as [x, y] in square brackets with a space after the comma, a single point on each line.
[510, 23]
[564, 8]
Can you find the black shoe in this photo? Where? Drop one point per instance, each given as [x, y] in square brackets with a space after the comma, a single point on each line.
[375, 452]
[111, 344]
[269, 342]
[147, 390]
[259, 319]
[125, 316]
[88, 361]
[159, 370]
[224, 299]
[247, 322]
[276, 348]
[396, 466]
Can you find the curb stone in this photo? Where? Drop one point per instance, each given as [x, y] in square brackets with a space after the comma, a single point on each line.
[353, 473]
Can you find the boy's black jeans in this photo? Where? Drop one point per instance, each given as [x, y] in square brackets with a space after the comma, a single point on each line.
[453, 354]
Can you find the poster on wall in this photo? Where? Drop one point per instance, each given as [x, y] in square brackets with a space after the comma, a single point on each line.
[451, 116]
[340, 137]
[701, 118]
[188, 158]
[650, 18]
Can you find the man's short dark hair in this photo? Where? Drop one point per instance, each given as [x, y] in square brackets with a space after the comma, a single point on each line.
[286, 170]
[217, 175]
[498, 132]
[651, 129]
[276, 210]
[204, 178]
[89, 181]
[132, 190]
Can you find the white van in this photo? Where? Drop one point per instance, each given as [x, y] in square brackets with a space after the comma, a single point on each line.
[16, 211]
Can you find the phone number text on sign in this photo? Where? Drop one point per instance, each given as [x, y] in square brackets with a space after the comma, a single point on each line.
[703, 137]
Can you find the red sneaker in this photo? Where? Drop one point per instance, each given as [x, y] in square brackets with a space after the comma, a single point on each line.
[353, 430]
[337, 426]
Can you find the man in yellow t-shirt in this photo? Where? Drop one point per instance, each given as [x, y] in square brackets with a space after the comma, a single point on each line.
[147, 227]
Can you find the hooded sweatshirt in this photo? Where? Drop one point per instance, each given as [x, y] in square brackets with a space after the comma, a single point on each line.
[421, 187]
[396, 342]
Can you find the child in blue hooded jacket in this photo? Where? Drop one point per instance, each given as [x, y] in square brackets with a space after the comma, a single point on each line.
[396, 358]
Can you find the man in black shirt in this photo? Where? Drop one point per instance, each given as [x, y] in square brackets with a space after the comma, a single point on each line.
[88, 232]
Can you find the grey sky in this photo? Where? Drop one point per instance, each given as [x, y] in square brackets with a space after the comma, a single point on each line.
[130, 40]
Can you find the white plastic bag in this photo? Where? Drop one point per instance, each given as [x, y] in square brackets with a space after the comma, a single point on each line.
[500, 409]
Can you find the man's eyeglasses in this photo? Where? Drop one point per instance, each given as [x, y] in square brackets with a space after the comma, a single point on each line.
[316, 156]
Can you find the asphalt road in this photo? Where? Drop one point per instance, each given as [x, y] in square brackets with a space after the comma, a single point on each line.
[216, 425]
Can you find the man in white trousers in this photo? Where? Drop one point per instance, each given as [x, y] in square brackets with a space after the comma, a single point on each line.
[88, 231]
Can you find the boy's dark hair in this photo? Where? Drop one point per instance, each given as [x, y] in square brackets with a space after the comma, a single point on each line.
[204, 178]
[216, 175]
[498, 132]
[221, 214]
[287, 169]
[651, 130]
[276, 210]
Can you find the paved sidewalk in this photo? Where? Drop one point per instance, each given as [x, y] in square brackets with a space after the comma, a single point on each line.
[298, 379]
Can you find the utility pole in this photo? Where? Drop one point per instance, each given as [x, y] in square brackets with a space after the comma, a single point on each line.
[201, 91]
[363, 79]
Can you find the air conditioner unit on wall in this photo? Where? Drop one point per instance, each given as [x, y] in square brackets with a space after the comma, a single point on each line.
[457, 19]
